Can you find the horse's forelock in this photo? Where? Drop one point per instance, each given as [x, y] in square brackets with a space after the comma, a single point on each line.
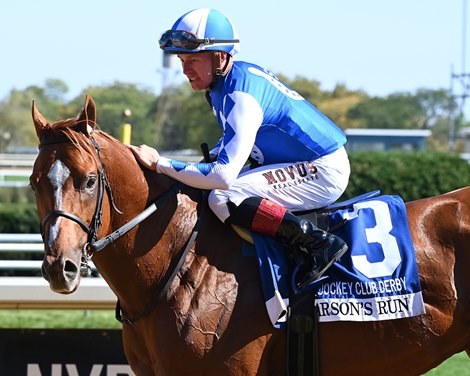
[65, 131]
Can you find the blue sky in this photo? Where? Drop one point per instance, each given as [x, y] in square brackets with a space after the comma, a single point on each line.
[379, 46]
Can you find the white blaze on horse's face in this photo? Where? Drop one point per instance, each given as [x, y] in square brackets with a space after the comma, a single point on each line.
[58, 175]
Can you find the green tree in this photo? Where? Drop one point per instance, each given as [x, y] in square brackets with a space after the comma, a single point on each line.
[403, 110]
[309, 89]
[16, 125]
[337, 104]
[400, 110]
[435, 105]
[56, 89]
[185, 120]
[112, 100]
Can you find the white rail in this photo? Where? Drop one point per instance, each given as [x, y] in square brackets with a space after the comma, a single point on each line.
[34, 292]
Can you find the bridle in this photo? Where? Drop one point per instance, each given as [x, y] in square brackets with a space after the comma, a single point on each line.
[92, 229]
[94, 245]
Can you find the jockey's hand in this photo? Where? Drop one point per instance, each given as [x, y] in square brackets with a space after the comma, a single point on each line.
[146, 155]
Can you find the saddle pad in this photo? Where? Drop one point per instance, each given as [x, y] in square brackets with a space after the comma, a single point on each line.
[377, 279]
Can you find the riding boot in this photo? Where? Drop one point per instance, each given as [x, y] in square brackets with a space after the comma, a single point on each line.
[296, 234]
[301, 234]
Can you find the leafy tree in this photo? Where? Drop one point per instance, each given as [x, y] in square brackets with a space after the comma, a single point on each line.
[395, 111]
[338, 103]
[334, 104]
[180, 117]
[435, 105]
[56, 89]
[16, 125]
[309, 89]
[112, 100]
[185, 120]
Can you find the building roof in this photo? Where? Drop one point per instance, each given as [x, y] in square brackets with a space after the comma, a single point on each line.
[388, 132]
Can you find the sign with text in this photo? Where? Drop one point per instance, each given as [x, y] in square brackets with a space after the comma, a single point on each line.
[62, 352]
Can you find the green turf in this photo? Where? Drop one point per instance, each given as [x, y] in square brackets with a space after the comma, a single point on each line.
[458, 365]
[50, 319]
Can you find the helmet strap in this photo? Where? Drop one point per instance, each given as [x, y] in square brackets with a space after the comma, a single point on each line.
[220, 69]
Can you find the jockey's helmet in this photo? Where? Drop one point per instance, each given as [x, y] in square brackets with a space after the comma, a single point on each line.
[201, 30]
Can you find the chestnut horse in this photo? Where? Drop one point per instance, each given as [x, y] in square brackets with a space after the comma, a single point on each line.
[210, 319]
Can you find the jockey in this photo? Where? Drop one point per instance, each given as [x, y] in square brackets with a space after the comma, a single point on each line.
[298, 160]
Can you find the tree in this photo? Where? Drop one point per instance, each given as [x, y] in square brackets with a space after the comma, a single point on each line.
[185, 120]
[334, 104]
[337, 104]
[435, 105]
[56, 89]
[16, 126]
[112, 100]
[308, 89]
[400, 110]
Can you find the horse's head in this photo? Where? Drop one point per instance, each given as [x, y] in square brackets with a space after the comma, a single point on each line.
[67, 180]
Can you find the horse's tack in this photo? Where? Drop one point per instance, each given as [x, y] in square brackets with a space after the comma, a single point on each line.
[168, 278]
[94, 245]
[92, 229]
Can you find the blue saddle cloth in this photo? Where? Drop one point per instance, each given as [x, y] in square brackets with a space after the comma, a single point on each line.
[377, 278]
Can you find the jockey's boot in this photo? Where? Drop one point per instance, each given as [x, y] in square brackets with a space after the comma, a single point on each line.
[266, 217]
[301, 234]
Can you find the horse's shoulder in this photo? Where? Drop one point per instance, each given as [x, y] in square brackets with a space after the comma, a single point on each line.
[203, 299]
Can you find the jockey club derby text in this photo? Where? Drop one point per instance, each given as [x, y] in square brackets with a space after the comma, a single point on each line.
[358, 289]
[363, 299]
[291, 175]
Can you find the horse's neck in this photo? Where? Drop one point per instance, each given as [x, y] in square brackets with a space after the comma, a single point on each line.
[133, 188]
[137, 262]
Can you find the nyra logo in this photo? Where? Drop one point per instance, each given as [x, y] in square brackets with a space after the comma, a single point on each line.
[70, 369]
[291, 175]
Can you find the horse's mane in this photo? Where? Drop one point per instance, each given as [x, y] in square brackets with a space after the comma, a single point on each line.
[69, 130]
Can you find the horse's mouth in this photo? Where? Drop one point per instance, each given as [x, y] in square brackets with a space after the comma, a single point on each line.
[62, 274]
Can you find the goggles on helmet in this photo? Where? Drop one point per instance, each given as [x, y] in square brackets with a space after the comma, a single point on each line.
[187, 40]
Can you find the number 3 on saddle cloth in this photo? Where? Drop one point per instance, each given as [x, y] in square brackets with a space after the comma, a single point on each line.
[377, 278]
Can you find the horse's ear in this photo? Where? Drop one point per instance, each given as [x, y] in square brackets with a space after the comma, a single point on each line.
[40, 123]
[87, 119]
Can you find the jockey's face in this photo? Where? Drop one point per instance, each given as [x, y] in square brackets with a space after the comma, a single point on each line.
[198, 69]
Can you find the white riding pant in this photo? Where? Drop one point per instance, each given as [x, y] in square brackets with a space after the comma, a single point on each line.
[296, 186]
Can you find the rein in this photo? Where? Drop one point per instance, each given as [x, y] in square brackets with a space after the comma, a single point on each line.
[94, 245]
[173, 269]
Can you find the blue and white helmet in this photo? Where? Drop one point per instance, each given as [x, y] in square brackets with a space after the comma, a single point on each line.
[212, 30]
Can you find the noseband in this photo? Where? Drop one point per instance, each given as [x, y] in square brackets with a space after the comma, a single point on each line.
[92, 229]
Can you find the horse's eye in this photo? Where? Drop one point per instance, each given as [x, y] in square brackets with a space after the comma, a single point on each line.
[90, 183]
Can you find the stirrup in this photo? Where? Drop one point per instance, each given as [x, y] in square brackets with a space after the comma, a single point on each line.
[307, 284]
[311, 277]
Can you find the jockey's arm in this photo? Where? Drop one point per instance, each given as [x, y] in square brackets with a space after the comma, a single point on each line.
[240, 126]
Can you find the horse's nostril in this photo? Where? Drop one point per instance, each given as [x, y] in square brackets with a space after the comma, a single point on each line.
[70, 267]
